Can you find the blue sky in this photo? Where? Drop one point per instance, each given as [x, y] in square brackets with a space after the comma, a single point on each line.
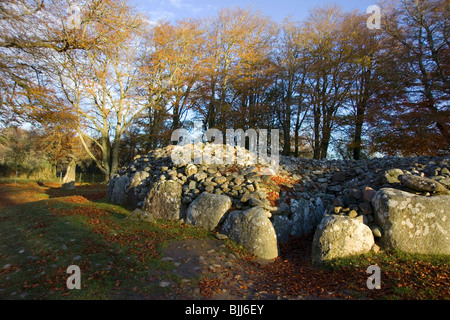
[277, 9]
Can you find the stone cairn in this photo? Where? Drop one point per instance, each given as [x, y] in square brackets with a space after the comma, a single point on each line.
[259, 207]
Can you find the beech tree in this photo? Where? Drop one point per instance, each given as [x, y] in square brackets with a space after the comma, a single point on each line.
[170, 77]
[110, 76]
[329, 82]
[289, 94]
[238, 46]
[365, 66]
[417, 120]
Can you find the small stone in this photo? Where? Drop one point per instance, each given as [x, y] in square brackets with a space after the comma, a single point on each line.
[173, 173]
[337, 210]
[391, 176]
[356, 193]
[259, 203]
[164, 284]
[224, 185]
[375, 248]
[166, 259]
[422, 184]
[238, 180]
[366, 220]
[192, 185]
[353, 214]
[190, 169]
[376, 230]
[220, 179]
[246, 197]
[221, 236]
[366, 207]
[368, 194]
[199, 176]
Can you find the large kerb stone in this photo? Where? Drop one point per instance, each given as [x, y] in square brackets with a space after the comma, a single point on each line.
[340, 236]
[207, 210]
[254, 230]
[422, 184]
[413, 223]
[164, 200]
[117, 189]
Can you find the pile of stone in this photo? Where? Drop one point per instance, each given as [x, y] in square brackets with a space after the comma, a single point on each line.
[408, 213]
[204, 195]
[259, 207]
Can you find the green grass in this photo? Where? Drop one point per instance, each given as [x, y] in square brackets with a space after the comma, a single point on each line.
[403, 275]
[118, 258]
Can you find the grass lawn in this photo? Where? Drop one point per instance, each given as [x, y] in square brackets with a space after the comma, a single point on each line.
[118, 258]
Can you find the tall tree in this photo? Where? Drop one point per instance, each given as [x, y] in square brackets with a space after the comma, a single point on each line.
[290, 65]
[329, 81]
[364, 67]
[417, 122]
[238, 45]
[101, 85]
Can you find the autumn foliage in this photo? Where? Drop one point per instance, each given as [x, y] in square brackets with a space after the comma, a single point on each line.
[121, 85]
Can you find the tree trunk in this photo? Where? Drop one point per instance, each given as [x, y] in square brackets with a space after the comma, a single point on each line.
[115, 157]
[326, 135]
[287, 138]
[357, 139]
[106, 156]
[316, 146]
[287, 120]
[211, 114]
[296, 142]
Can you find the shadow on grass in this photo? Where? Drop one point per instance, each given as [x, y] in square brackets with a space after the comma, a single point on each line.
[92, 192]
[118, 258]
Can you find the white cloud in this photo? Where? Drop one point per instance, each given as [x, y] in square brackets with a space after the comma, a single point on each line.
[183, 5]
[177, 3]
[158, 15]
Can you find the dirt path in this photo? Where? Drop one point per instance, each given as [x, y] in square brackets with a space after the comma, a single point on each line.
[228, 276]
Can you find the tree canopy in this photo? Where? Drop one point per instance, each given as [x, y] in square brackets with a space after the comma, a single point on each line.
[120, 85]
